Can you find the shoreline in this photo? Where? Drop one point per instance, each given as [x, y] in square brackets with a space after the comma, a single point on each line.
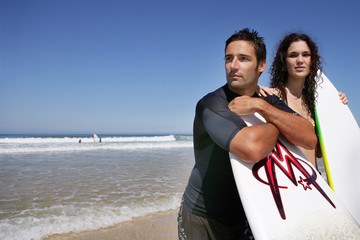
[158, 226]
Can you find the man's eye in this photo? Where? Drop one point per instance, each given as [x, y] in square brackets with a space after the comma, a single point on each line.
[228, 59]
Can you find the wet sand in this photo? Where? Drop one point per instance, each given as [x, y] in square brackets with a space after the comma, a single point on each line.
[160, 226]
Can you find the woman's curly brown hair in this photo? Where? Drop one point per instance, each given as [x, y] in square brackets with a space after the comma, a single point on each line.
[279, 73]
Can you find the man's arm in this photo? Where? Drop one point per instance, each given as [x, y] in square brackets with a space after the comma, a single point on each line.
[228, 130]
[251, 144]
[296, 129]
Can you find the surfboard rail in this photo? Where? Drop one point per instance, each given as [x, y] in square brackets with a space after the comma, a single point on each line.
[340, 145]
[323, 152]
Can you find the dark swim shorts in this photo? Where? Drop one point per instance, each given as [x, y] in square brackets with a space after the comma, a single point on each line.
[192, 227]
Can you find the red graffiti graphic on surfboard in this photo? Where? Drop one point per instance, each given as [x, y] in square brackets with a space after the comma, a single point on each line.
[282, 159]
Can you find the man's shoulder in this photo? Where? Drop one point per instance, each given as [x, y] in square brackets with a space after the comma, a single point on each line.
[272, 99]
[214, 96]
[213, 100]
[278, 103]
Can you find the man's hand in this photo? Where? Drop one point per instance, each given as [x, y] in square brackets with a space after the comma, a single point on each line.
[245, 105]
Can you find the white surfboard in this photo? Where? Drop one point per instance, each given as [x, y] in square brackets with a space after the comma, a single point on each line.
[340, 142]
[284, 197]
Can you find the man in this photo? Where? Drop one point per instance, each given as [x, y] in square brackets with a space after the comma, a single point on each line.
[211, 207]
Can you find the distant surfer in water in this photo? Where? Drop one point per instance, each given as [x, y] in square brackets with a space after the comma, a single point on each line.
[293, 79]
[211, 207]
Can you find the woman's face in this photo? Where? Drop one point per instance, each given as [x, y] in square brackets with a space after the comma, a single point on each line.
[298, 60]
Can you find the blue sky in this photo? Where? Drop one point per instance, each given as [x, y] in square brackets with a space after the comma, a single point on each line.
[100, 66]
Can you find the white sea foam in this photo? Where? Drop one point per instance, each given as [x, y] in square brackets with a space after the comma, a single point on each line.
[66, 219]
[43, 140]
[67, 144]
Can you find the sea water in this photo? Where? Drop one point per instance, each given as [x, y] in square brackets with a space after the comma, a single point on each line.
[59, 184]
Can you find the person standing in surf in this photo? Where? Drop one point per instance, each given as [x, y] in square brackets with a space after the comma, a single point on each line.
[211, 207]
[293, 79]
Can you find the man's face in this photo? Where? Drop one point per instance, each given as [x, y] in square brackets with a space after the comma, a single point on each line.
[242, 72]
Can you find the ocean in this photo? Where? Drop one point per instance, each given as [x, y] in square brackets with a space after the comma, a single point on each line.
[54, 184]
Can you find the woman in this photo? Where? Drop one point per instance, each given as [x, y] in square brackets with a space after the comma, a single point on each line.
[293, 79]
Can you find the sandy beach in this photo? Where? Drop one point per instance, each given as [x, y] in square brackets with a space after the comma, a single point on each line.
[160, 226]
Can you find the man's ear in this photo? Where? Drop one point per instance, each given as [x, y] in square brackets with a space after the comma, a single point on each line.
[262, 66]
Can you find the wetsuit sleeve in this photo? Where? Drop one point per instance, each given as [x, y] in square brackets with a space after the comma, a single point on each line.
[218, 121]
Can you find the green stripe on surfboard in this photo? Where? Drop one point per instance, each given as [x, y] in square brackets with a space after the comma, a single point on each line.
[323, 151]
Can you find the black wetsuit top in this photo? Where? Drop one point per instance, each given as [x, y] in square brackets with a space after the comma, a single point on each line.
[211, 191]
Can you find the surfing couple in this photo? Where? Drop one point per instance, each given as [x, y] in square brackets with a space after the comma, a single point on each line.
[211, 207]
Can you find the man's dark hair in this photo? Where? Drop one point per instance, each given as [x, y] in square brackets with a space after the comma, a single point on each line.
[252, 37]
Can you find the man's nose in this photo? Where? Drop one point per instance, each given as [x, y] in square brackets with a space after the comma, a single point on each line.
[235, 63]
